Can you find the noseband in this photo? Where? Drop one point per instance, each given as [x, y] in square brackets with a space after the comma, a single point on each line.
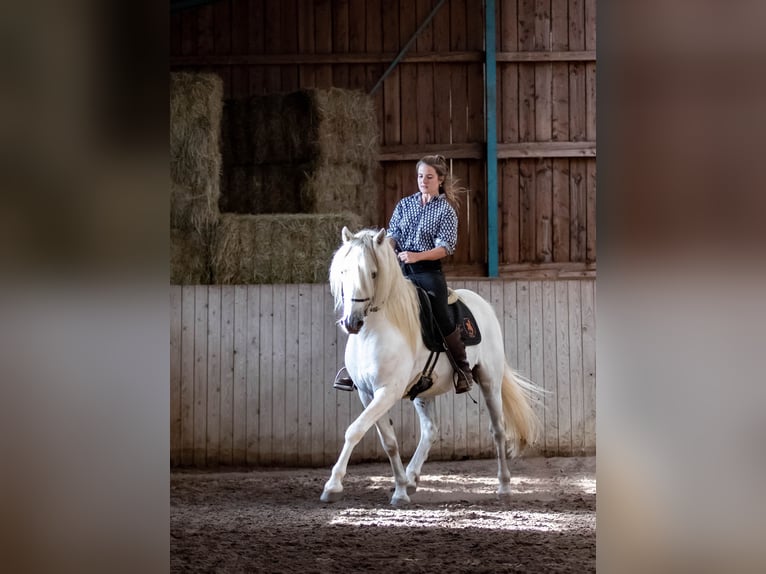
[367, 308]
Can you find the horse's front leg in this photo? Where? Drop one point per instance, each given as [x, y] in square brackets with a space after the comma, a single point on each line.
[381, 403]
[428, 430]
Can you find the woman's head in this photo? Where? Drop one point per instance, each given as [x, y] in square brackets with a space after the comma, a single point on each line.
[436, 165]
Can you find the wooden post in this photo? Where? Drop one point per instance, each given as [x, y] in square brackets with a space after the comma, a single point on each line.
[491, 109]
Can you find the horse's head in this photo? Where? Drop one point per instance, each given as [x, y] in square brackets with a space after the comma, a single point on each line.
[355, 276]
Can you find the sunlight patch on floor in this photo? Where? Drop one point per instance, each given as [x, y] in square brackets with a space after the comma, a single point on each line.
[445, 518]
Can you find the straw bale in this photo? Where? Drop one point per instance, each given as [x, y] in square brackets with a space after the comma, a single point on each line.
[189, 258]
[347, 127]
[195, 156]
[337, 187]
[283, 248]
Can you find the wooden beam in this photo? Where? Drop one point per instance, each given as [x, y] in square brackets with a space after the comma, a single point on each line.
[376, 58]
[416, 151]
[546, 149]
[523, 271]
[548, 56]
[477, 150]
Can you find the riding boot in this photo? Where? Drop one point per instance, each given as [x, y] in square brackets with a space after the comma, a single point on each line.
[457, 350]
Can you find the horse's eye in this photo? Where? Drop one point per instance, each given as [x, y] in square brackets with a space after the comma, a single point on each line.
[374, 274]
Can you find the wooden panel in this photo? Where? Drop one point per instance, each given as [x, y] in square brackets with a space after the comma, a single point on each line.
[200, 374]
[291, 376]
[509, 212]
[280, 391]
[318, 321]
[265, 379]
[227, 375]
[239, 424]
[187, 374]
[590, 70]
[331, 444]
[544, 211]
[272, 81]
[213, 440]
[288, 44]
[205, 41]
[391, 87]
[527, 187]
[285, 349]
[306, 26]
[176, 334]
[323, 41]
[534, 301]
[356, 43]
[560, 196]
[574, 368]
[589, 365]
[548, 359]
[577, 208]
[304, 403]
[425, 103]
[222, 41]
[253, 393]
[492, 291]
[563, 357]
[590, 212]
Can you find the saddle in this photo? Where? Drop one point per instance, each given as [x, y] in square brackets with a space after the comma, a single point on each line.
[461, 316]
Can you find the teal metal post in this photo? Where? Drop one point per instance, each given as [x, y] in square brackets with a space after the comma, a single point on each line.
[490, 89]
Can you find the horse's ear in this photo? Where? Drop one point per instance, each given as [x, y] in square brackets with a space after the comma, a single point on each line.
[380, 236]
[345, 234]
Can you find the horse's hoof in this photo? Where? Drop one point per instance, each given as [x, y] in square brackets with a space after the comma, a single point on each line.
[504, 492]
[330, 496]
[412, 488]
[400, 501]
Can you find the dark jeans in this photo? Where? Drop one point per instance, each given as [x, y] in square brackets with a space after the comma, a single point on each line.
[433, 281]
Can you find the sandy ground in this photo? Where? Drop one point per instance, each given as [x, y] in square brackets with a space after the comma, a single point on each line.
[271, 520]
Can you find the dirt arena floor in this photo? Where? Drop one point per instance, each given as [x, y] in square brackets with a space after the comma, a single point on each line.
[271, 520]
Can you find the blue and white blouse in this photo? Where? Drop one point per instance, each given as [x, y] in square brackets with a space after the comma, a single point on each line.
[417, 227]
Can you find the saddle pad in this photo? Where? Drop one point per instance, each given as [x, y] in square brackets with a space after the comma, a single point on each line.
[462, 317]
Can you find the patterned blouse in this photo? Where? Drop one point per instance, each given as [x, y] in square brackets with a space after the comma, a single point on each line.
[417, 227]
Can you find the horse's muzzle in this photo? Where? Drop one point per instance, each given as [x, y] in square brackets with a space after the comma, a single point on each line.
[353, 324]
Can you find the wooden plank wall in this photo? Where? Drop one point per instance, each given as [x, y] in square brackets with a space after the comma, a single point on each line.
[433, 102]
[252, 366]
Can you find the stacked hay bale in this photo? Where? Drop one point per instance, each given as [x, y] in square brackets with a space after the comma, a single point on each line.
[195, 165]
[278, 248]
[312, 151]
[297, 168]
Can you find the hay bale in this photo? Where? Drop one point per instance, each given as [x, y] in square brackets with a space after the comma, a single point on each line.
[346, 127]
[189, 258]
[331, 188]
[286, 248]
[195, 156]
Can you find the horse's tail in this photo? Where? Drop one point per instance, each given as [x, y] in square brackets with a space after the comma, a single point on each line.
[522, 425]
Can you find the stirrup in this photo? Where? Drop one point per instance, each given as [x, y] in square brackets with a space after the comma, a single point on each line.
[343, 383]
[462, 382]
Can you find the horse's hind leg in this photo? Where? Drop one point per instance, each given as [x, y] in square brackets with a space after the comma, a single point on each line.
[492, 392]
[428, 430]
[391, 446]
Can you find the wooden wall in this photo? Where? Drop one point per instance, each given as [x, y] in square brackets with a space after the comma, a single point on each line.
[434, 102]
[252, 368]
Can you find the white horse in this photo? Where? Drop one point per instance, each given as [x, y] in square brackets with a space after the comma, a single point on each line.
[386, 355]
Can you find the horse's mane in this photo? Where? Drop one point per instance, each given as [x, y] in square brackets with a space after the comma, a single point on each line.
[394, 295]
